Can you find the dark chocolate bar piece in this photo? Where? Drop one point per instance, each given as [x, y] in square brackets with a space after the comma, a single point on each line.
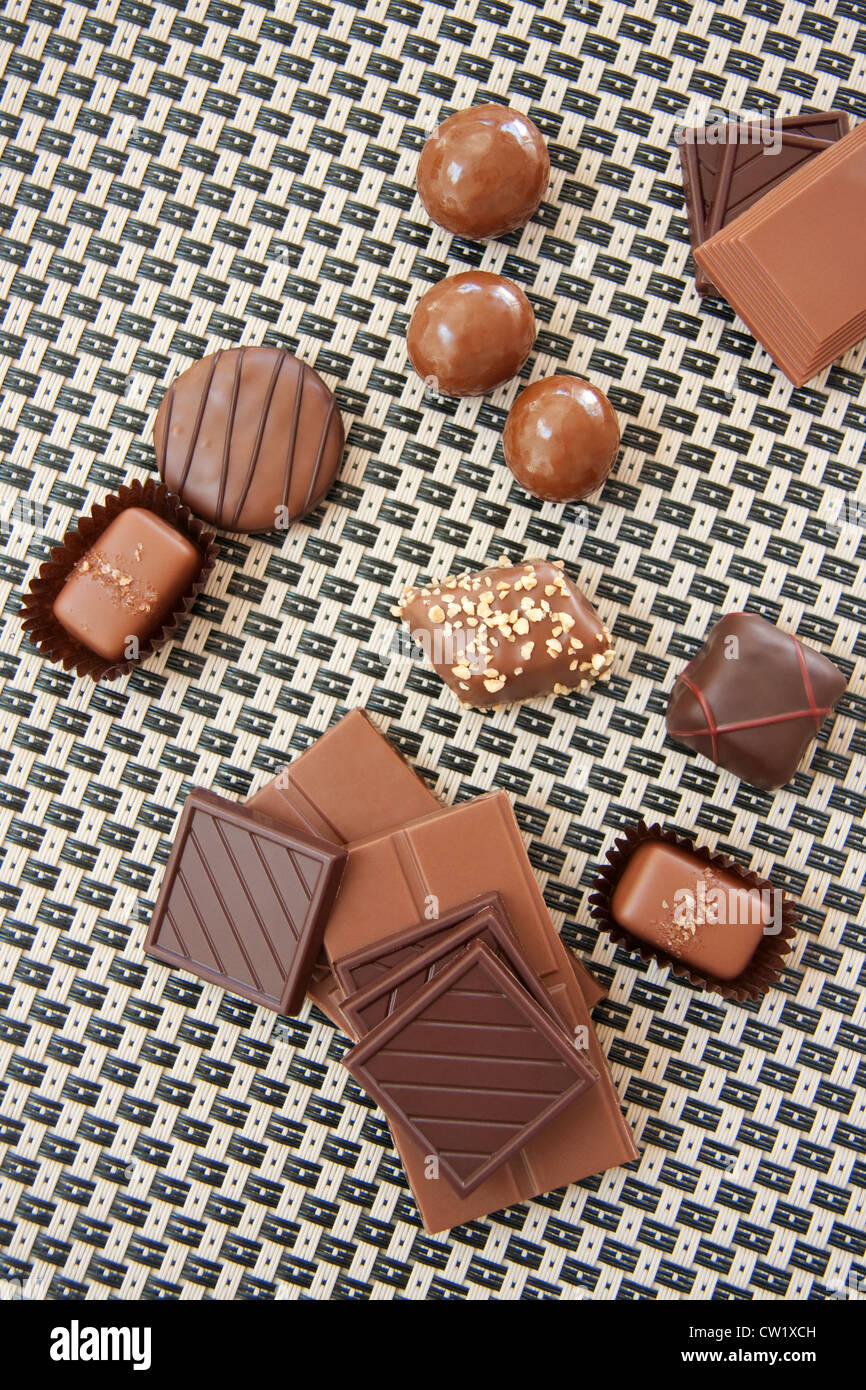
[472, 1067]
[369, 964]
[728, 167]
[753, 699]
[244, 901]
[393, 987]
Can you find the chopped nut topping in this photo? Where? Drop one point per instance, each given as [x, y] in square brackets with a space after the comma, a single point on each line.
[521, 626]
[494, 685]
[565, 620]
[597, 661]
[526, 650]
[560, 689]
[553, 647]
[436, 614]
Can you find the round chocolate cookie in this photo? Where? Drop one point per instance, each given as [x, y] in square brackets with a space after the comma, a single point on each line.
[250, 438]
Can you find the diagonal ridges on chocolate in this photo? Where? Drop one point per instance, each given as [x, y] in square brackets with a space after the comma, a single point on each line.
[244, 901]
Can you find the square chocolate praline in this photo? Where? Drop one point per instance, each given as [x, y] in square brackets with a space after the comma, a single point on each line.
[753, 699]
[127, 584]
[699, 914]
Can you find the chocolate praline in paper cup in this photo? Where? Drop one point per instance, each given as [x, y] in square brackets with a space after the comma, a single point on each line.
[37, 616]
[765, 965]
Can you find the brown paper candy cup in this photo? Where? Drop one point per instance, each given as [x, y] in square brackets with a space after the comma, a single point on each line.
[37, 617]
[766, 964]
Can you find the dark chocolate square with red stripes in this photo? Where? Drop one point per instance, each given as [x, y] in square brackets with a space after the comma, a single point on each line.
[244, 901]
[753, 699]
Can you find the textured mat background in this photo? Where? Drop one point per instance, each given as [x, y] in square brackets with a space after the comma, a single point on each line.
[176, 177]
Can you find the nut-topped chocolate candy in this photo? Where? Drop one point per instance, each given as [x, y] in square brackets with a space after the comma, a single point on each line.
[484, 171]
[561, 438]
[470, 333]
[250, 438]
[509, 632]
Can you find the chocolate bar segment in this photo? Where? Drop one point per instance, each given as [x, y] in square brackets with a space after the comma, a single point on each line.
[244, 901]
[471, 1067]
[371, 963]
[455, 855]
[753, 699]
[350, 783]
[728, 167]
[388, 991]
[792, 266]
[509, 632]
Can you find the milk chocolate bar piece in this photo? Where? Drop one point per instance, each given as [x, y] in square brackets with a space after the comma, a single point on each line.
[422, 958]
[244, 901]
[454, 855]
[727, 167]
[472, 1068]
[509, 633]
[753, 699]
[352, 782]
[792, 266]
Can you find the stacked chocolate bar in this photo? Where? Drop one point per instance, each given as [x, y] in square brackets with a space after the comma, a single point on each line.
[777, 226]
[421, 931]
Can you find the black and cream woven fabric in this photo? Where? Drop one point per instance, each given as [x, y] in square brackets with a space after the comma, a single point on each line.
[175, 178]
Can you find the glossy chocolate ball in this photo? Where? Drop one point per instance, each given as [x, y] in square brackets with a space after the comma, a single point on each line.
[470, 333]
[561, 438]
[484, 172]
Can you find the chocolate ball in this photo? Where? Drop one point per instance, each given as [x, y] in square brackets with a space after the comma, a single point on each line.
[484, 171]
[470, 333]
[561, 438]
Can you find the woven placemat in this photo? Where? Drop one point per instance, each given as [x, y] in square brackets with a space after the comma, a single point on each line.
[180, 177]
